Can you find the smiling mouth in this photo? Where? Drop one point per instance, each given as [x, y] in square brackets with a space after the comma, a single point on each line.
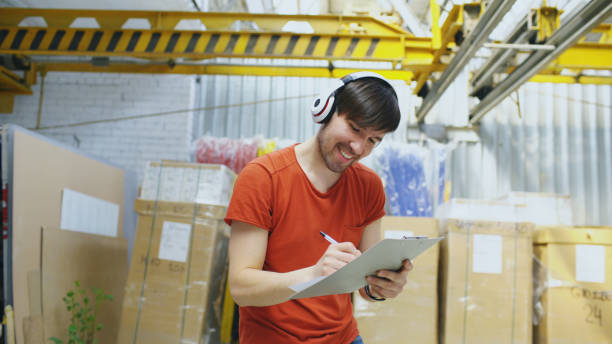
[344, 155]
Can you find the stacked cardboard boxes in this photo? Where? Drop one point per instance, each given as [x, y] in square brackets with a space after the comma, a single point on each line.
[414, 312]
[573, 285]
[176, 277]
[486, 282]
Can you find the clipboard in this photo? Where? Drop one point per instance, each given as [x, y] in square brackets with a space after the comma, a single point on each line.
[387, 254]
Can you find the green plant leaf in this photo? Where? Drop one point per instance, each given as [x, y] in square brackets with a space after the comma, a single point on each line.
[56, 340]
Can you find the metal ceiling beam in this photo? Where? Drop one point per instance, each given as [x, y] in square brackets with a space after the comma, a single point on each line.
[214, 69]
[585, 56]
[575, 26]
[570, 79]
[352, 38]
[164, 20]
[487, 22]
[482, 77]
[10, 83]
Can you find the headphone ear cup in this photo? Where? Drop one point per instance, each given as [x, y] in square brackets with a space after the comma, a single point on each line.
[321, 108]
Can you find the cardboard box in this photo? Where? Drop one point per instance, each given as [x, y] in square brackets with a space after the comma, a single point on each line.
[573, 285]
[188, 182]
[175, 280]
[414, 312]
[486, 282]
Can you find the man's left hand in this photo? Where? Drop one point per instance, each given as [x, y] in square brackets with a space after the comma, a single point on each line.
[387, 283]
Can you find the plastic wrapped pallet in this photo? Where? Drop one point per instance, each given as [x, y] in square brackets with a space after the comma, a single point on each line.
[543, 209]
[486, 282]
[480, 210]
[410, 174]
[414, 312]
[188, 182]
[573, 285]
[176, 278]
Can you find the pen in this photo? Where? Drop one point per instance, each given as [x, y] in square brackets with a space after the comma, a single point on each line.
[328, 238]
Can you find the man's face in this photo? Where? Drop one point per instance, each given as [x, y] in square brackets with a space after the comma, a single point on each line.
[342, 142]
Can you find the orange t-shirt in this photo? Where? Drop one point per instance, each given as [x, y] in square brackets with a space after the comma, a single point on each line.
[272, 192]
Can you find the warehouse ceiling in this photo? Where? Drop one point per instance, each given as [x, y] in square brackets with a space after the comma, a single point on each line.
[228, 36]
[159, 5]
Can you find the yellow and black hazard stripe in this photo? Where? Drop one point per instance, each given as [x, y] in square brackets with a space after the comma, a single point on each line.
[199, 44]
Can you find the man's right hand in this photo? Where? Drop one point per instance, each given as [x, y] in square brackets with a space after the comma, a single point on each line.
[335, 257]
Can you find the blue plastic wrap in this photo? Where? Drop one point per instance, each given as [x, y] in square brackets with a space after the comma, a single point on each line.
[414, 176]
[403, 174]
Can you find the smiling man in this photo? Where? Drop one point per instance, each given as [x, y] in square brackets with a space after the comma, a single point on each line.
[281, 202]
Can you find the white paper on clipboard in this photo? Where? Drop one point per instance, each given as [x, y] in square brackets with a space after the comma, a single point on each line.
[387, 254]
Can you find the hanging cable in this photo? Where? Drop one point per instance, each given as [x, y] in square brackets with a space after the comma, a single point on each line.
[159, 114]
[43, 75]
[195, 4]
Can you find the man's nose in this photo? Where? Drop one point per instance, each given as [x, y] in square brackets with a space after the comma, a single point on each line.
[357, 146]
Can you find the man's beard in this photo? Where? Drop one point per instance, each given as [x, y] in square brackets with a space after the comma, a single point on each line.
[328, 152]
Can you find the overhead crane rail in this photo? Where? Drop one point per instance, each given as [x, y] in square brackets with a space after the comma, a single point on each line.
[333, 38]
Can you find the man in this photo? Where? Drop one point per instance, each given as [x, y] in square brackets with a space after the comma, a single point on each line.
[281, 202]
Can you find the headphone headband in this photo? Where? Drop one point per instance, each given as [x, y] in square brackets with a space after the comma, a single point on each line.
[325, 103]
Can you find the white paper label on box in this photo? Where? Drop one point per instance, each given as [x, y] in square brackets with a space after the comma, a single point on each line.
[174, 243]
[396, 234]
[487, 254]
[88, 214]
[590, 263]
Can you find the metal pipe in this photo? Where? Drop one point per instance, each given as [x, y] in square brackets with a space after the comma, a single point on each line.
[519, 34]
[519, 46]
[487, 22]
[578, 24]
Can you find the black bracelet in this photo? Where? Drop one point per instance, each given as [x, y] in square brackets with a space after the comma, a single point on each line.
[367, 291]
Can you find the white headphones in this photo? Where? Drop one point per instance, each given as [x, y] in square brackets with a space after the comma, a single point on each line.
[324, 105]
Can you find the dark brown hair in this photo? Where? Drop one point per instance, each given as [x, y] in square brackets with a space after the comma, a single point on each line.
[370, 103]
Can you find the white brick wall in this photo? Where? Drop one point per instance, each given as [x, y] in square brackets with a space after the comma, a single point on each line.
[81, 97]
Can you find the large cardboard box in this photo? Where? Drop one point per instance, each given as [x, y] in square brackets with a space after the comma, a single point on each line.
[486, 282]
[414, 312]
[573, 285]
[175, 280]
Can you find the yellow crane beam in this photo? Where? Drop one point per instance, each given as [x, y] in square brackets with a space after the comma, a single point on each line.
[217, 69]
[333, 37]
[156, 38]
[214, 21]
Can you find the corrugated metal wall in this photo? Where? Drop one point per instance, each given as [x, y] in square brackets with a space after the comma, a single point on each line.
[275, 107]
[544, 138]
